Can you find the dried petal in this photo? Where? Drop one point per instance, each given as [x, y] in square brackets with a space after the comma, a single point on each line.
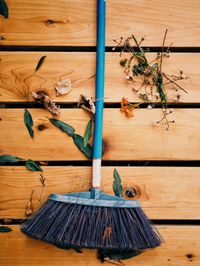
[86, 103]
[63, 87]
[47, 102]
[128, 111]
[29, 206]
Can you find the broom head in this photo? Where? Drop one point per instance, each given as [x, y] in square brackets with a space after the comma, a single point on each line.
[92, 220]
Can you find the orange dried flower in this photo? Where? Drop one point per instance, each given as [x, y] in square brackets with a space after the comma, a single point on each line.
[124, 101]
[128, 111]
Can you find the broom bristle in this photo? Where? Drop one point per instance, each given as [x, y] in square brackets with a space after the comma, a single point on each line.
[69, 225]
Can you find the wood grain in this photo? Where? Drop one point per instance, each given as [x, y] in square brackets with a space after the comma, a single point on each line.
[167, 202]
[72, 23]
[181, 247]
[138, 138]
[18, 79]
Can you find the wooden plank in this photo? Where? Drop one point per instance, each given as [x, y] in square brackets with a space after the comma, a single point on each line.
[181, 248]
[138, 138]
[17, 76]
[167, 202]
[62, 22]
[71, 23]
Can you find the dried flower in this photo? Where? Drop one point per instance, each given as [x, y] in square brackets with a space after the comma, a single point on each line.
[127, 110]
[124, 101]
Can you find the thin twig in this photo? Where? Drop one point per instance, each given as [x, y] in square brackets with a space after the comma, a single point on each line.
[171, 80]
[161, 57]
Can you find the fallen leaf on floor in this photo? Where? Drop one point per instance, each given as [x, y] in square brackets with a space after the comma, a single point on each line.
[3, 9]
[45, 163]
[117, 186]
[5, 229]
[40, 62]
[86, 103]
[9, 159]
[63, 126]
[63, 87]
[29, 206]
[33, 166]
[28, 121]
[79, 141]
[46, 101]
[88, 132]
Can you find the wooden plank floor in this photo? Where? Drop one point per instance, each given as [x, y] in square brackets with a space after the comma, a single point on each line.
[181, 248]
[17, 184]
[162, 166]
[18, 79]
[71, 23]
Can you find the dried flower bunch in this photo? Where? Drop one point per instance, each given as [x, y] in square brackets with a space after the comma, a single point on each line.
[152, 83]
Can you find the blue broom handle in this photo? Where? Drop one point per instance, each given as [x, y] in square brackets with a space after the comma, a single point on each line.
[100, 62]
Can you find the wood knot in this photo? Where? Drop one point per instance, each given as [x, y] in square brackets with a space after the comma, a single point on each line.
[49, 23]
[130, 192]
[41, 127]
[189, 256]
[133, 192]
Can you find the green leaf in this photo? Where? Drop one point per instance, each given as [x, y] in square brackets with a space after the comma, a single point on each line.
[28, 122]
[9, 159]
[33, 166]
[79, 141]
[5, 229]
[159, 85]
[3, 9]
[63, 126]
[124, 255]
[88, 133]
[40, 62]
[117, 186]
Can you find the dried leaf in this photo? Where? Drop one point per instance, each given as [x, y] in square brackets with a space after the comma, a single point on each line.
[33, 166]
[42, 180]
[29, 206]
[117, 187]
[87, 150]
[3, 9]
[40, 62]
[45, 163]
[88, 132]
[86, 103]
[47, 102]
[5, 229]
[9, 159]
[28, 122]
[63, 87]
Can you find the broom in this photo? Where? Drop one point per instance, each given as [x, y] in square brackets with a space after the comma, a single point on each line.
[93, 219]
